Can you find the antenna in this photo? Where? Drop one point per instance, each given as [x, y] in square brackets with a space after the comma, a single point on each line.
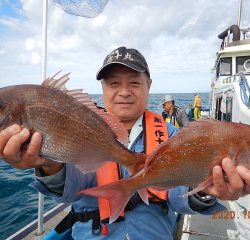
[239, 13]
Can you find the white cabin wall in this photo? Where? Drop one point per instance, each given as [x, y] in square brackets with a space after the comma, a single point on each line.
[241, 113]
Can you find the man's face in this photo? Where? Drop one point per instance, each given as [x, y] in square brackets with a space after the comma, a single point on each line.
[167, 106]
[125, 93]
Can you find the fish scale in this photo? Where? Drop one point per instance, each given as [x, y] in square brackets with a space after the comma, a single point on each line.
[186, 159]
[74, 130]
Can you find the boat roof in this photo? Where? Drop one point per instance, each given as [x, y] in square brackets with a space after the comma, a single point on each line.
[235, 47]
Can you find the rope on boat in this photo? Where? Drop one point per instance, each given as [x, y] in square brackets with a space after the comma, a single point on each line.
[204, 234]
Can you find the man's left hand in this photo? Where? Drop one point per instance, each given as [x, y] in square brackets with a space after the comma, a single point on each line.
[238, 181]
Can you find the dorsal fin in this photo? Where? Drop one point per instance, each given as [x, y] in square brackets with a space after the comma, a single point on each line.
[211, 120]
[113, 122]
[57, 83]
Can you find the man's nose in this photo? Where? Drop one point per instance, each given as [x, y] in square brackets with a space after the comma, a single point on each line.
[124, 90]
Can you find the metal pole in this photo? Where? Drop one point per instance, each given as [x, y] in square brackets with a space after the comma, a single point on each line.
[40, 214]
[239, 12]
[44, 54]
[44, 63]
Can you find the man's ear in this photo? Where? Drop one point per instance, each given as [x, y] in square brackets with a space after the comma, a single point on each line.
[149, 83]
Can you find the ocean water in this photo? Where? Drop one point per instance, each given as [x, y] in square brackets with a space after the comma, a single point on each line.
[18, 201]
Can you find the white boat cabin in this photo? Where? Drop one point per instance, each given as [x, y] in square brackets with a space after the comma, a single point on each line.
[230, 90]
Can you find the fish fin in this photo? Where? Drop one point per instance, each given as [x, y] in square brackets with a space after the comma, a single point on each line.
[75, 93]
[144, 195]
[85, 168]
[57, 83]
[159, 189]
[115, 124]
[115, 193]
[197, 123]
[53, 159]
[200, 187]
[210, 120]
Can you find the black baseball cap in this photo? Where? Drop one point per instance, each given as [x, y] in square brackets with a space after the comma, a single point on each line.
[126, 56]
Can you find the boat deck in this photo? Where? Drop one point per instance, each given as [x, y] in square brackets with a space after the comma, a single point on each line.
[200, 227]
[51, 219]
[190, 227]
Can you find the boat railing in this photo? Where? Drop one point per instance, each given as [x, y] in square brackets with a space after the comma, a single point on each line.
[229, 80]
[244, 86]
[244, 89]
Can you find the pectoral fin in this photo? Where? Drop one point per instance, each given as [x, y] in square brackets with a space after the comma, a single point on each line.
[200, 187]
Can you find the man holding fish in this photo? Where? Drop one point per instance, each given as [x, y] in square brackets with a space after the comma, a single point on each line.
[126, 82]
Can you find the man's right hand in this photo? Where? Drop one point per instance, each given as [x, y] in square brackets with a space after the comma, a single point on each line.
[11, 140]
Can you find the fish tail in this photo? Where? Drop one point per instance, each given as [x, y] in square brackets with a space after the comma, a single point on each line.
[115, 193]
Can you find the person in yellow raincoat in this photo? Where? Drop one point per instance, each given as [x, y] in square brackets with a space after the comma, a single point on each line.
[197, 106]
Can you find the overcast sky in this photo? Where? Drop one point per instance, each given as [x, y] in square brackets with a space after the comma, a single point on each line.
[177, 37]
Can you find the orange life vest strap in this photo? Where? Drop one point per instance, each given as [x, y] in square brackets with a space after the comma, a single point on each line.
[107, 174]
[155, 132]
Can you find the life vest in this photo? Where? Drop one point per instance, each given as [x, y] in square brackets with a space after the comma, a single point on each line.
[174, 117]
[154, 133]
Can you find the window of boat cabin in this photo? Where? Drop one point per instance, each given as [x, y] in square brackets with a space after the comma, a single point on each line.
[240, 63]
[225, 68]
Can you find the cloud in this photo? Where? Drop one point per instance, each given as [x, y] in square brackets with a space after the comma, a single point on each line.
[178, 39]
[30, 44]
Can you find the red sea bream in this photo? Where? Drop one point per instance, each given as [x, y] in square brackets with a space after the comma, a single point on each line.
[74, 130]
[186, 159]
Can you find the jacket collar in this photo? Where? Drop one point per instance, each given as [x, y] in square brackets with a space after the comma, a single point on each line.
[135, 131]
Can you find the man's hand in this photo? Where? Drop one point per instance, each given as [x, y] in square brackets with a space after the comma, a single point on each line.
[238, 181]
[245, 175]
[11, 140]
